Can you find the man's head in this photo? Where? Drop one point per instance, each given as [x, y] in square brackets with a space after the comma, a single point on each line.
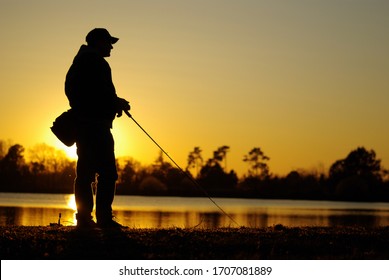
[101, 40]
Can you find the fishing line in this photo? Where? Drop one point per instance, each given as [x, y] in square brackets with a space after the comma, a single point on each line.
[182, 171]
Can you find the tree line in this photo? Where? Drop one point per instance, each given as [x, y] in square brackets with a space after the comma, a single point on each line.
[358, 177]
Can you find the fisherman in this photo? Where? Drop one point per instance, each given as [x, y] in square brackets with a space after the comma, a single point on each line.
[93, 98]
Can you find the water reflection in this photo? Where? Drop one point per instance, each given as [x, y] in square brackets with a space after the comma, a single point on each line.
[168, 212]
[154, 219]
[28, 216]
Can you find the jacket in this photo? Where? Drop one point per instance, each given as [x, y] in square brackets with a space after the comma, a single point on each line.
[89, 88]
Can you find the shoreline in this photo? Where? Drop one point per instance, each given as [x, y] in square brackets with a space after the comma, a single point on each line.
[272, 243]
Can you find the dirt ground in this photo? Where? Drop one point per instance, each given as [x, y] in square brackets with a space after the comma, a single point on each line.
[278, 242]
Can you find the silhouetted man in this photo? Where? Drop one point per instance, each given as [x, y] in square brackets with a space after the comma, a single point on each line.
[93, 98]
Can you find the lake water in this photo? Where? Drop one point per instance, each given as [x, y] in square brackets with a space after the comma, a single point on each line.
[166, 212]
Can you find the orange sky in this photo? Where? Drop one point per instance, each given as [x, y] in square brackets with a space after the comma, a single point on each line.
[307, 81]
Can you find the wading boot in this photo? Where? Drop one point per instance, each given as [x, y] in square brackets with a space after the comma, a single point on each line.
[85, 222]
[109, 223]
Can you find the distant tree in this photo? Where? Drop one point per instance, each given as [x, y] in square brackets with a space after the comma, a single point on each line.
[13, 169]
[152, 186]
[213, 176]
[195, 160]
[48, 159]
[131, 174]
[2, 149]
[358, 176]
[219, 156]
[257, 162]
[14, 160]
[359, 162]
[160, 168]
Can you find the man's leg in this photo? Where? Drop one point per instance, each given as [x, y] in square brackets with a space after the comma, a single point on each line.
[104, 198]
[83, 193]
[106, 184]
[85, 175]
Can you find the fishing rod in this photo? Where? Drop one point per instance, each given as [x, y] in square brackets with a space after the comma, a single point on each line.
[181, 170]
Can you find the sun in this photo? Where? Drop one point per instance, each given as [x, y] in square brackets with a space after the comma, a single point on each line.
[71, 152]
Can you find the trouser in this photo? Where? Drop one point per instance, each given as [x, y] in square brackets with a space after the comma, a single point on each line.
[96, 159]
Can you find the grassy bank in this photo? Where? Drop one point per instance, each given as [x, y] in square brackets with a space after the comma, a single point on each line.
[277, 242]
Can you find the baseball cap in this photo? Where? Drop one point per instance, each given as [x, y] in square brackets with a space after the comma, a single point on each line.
[100, 34]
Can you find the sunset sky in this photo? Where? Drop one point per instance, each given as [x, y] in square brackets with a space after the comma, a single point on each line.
[307, 81]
